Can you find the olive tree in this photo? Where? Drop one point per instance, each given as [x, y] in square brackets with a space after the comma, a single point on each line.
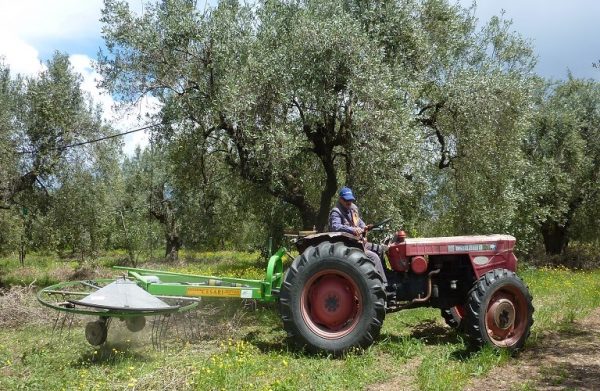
[407, 101]
[41, 116]
[564, 160]
[291, 96]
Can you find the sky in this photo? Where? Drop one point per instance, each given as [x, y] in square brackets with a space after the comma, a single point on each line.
[565, 35]
[32, 30]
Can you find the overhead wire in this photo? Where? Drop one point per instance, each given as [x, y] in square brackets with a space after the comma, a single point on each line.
[61, 148]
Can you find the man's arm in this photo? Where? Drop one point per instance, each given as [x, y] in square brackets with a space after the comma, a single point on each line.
[336, 224]
[361, 223]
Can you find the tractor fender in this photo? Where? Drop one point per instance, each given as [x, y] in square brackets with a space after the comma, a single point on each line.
[331, 237]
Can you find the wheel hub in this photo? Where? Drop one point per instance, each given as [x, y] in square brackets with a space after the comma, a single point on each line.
[332, 302]
[503, 312]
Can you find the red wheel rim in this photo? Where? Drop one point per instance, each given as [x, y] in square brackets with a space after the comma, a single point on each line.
[331, 304]
[460, 311]
[506, 316]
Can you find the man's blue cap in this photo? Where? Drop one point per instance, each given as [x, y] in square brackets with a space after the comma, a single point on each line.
[346, 193]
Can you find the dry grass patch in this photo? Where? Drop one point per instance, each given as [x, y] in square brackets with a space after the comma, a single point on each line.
[19, 307]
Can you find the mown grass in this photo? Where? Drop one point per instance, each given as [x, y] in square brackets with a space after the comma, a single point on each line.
[243, 349]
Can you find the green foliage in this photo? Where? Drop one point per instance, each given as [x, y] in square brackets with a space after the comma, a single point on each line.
[299, 98]
[564, 158]
[269, 108]
[428, 117]
[46, 187]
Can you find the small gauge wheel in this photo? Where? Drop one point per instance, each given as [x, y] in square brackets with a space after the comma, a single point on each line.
[135, 324]
[96, 332]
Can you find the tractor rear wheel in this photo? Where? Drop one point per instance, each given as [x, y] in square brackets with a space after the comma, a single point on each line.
[499, 311]
[332, 299]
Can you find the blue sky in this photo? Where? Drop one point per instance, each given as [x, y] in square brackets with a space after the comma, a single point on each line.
[564, 34]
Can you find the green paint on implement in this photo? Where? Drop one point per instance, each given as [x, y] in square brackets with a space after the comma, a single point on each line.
[163, 283]
[184, 288]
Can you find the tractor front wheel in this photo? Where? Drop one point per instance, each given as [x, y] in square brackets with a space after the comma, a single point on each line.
[499, 311]
[332, 299]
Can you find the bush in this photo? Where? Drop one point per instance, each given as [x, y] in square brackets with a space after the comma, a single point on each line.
[577, 256]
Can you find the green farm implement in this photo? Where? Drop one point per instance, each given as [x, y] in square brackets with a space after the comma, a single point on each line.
[140, 293]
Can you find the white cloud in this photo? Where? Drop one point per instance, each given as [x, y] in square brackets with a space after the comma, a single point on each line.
[43, 19]
[30, 26]
[122, 117]
[19, 55]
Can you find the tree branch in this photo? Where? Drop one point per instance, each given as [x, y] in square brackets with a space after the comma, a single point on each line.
[431, 122]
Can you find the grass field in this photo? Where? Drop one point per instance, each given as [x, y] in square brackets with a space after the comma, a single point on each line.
[245, 349]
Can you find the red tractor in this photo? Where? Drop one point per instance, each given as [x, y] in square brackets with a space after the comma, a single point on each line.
[333, 299]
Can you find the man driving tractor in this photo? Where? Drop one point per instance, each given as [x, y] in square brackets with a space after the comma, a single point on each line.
[344, 217]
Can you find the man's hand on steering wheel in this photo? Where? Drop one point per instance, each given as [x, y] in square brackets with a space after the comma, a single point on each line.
[358, 231]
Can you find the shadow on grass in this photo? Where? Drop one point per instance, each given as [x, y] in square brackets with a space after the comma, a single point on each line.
[432, 333]
[570, 376]
[427, 332]
[281, 344]
[257, 338]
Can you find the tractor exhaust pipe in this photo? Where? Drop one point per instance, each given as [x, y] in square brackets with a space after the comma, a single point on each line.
[428, 295]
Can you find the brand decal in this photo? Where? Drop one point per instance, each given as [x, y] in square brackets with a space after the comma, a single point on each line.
[463, 248]
[213, 292]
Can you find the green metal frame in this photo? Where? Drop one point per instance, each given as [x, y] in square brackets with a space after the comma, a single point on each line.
[191, 285]
[58, 290]
[176, 285]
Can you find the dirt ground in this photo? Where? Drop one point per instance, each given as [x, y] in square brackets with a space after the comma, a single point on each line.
[565, 360]
[562, 360]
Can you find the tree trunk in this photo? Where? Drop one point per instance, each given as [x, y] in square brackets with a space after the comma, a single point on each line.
[556, 237]
[130, 251]
[163, 211]
[22, 252]
[326, 195]
[173, 244]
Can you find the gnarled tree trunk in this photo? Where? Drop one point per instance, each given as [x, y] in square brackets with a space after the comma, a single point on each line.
[556, 238]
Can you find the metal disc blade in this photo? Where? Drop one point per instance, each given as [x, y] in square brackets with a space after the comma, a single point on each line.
[124, 295]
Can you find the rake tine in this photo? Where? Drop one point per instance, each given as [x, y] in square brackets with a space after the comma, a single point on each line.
[164, 327]
[71, 316]
[62, 325]
[58, 314]
[155, 322]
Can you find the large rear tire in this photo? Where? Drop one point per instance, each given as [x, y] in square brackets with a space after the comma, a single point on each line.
[499, 311]
[332, 299]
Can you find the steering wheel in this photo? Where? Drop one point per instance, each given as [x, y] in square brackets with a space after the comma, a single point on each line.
[381, 223]
[375, 226]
